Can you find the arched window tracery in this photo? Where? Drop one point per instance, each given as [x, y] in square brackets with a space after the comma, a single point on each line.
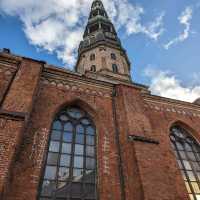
[187, 152]
[70, 168]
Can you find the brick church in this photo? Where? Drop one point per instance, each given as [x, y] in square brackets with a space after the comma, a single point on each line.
[92, 133]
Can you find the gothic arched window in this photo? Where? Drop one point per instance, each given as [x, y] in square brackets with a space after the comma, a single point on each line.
[93, 68]
[70, 168]
[187, 152]
[114, 68]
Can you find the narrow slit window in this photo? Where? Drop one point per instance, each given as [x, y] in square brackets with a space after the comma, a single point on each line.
[93, 68]
[114, 68]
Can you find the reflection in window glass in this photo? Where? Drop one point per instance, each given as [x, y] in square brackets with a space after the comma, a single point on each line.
[70, 168]
[52, 158]
[187, 152]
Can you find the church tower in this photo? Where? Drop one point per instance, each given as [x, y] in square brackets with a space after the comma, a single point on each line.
[101, 55]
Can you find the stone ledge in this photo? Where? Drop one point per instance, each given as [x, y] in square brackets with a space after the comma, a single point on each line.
[132, 138]
[17, 116]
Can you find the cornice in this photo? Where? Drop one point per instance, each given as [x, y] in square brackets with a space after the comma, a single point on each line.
[74, 82]
[170, 105]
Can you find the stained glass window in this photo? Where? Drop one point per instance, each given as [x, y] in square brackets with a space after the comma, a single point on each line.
[70, 168]
[187, 152]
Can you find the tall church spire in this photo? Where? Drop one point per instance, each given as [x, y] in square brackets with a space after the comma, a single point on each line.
[101, 51]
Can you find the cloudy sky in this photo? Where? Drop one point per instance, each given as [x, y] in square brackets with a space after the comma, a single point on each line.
[162, 37]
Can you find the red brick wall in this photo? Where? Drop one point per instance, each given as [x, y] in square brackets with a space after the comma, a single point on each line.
[148, 171]
[48, 103]
[14, 113]
[156, 173]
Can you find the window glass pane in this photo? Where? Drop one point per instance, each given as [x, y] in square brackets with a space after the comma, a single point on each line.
[68, 127]
[90, 130]
[54, 146]
[183, 155]
[76, 191]
[188, 147]
[90, 163]
[64, 160]
[90, 190]
[57, 125]
[195, 187]
[89, 176]
[179, 146]
[78, 161]
[188, 187]
[79, 138]
[56, 135]
[79, 149]
[187, 165]
[63, 174]
[75, 113]
[67, 137]
[61, 192]
[198, 197]
[77, 175]
[85, 121]
[90, 151]
[90, 140]
[52, 159]
[191, 176]
[66, 148]
[196, 166]
[64, 117]
[80, 129]
[50, 172]
[191, 156]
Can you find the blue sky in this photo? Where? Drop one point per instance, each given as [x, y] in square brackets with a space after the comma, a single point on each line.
[51, 30]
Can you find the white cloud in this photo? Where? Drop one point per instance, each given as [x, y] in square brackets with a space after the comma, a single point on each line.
[57, 25]
[165, 84]
[184, 19]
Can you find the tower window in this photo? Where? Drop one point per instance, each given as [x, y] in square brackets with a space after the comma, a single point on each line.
[94, 28]
[114, 68]
[93, 68]
[92, 57]
[70, 169]
[187, 152]
[105, 27]
[113, 56]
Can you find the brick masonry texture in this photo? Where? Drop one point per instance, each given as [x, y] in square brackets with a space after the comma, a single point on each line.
[32, 93]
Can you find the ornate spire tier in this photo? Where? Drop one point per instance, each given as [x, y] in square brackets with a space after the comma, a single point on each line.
[100, 33]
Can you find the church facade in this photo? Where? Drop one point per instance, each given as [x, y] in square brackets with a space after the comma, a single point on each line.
[92, 133]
